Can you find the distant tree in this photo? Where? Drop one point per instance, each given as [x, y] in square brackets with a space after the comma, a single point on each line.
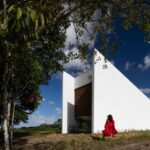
[58, 124]
[32, 33]
[59, 121]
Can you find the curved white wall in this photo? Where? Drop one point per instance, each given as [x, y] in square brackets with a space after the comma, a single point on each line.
[114, 94]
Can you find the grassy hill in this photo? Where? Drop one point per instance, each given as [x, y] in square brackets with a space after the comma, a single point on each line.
[41, 129]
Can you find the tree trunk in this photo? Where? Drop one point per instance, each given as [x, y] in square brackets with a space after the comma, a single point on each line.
[5, 134]
[5, 130]
[5, 120]
[5, 100]
[11, 123]
[6, 125]
[6, 112]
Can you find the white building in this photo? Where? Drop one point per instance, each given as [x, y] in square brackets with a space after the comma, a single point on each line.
[100, 92]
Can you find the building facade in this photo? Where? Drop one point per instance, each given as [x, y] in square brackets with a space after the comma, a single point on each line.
[102, 91]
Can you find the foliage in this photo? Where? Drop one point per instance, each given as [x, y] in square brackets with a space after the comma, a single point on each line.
[40, 129]
[33, 55]
[84, 126]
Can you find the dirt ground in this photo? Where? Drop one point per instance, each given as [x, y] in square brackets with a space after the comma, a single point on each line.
[143, 145]
[78, 142]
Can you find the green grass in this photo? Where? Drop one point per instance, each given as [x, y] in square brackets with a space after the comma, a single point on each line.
[31, 131]
[38, 129]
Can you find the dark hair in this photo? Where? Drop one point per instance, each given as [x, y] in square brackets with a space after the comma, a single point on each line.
[110, 117]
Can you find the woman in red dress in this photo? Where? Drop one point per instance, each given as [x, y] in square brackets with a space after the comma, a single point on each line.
[110, 129]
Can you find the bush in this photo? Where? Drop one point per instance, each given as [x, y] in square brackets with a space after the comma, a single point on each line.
[84, 126]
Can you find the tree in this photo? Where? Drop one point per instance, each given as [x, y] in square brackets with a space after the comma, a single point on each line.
[32, 33]
[24, 66]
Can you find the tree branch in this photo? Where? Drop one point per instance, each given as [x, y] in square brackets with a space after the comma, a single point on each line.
[22, 89]
[72, 7]
[7, 6]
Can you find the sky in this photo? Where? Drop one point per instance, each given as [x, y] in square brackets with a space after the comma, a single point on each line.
[132, 58]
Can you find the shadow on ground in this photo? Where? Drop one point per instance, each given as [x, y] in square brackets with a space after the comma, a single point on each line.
[42, 146]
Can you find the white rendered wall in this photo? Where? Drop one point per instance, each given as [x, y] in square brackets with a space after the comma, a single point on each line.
[68, 102]
[83, 79]
[114, 94]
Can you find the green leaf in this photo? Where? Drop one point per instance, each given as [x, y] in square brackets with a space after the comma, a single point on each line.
[19, 13]
[91, 37]
[27, 18]
[33, 15]
[36, 24]
[42, 20]
[147, 39]
[23, 24]
[127, 24]
[2, 33]
[28, 44]
[11, 24]
[146, 27]
[11, 8]
[81, 33]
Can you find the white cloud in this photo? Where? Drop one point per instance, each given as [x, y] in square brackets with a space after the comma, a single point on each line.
[58, 110]
[71, 44]
[84, 38]
[145, 90]
[129, 64]
[51, 102]
[88, 30]
[72, 40]
[71, 36]
[37, 119]
[76, 64]
[146, 63]
[140, 66]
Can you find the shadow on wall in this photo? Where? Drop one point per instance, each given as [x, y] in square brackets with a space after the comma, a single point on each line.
[80, 125]
[72, 124]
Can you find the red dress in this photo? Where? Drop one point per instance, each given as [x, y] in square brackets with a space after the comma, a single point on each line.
[109, 129]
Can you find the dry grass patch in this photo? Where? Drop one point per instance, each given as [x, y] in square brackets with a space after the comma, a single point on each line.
[126, 140]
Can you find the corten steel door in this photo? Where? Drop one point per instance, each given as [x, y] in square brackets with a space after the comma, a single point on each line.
[83, 101]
